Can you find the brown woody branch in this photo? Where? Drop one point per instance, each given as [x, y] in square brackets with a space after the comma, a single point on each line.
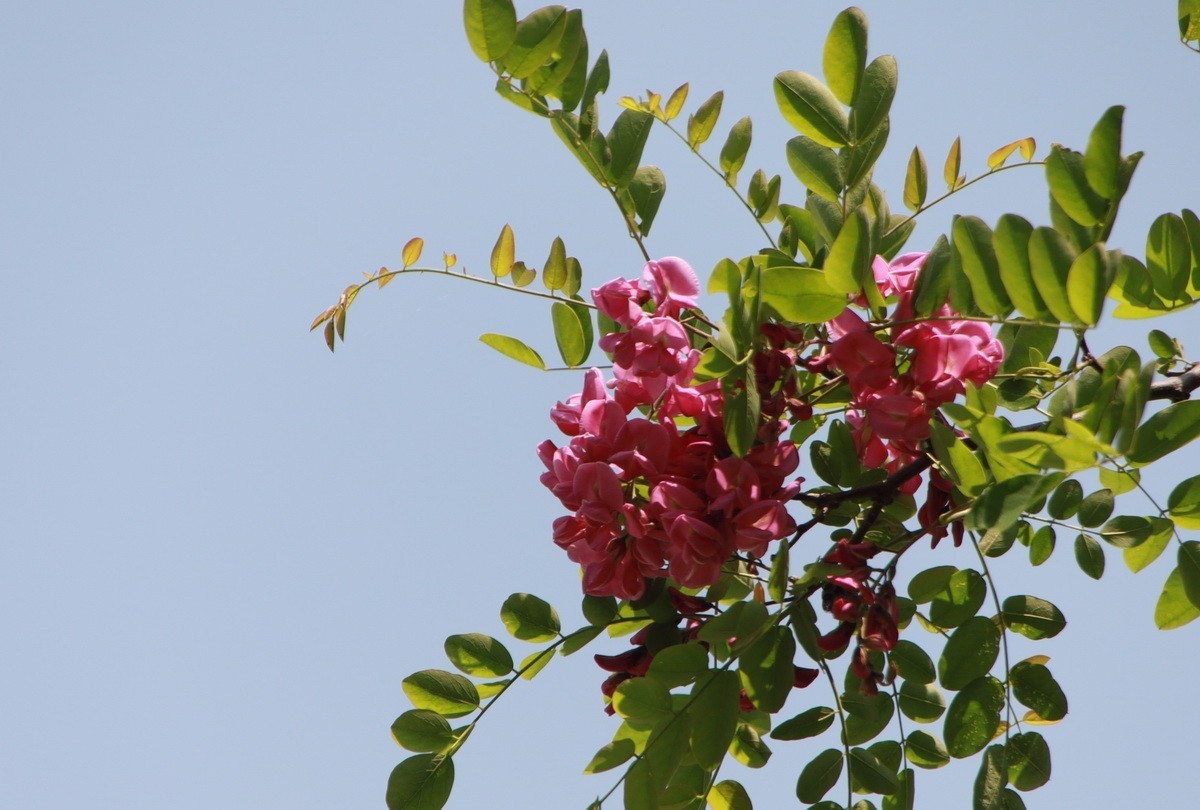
[1178, 387]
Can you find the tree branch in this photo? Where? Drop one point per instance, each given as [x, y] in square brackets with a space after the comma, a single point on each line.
[1178, 387]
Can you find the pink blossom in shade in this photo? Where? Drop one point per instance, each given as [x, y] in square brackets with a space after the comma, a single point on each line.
[642, 448]
[732, 484]
[846, 323]
[696, 551]
[671, 498]
[897, 414]
[566, 415]
[621, 300]
[900, 276]
[672, 284]
[757, 525]
[598, 491]
[775, 462]
[866, 362]
[617, 574]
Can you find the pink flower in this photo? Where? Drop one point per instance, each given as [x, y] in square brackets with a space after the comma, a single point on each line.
[900, 277]
[621, 300]
[672, 284]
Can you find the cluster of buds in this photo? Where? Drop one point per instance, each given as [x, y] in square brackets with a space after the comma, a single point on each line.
[864, 605]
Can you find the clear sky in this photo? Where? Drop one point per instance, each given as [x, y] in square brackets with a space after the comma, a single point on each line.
[224, 548]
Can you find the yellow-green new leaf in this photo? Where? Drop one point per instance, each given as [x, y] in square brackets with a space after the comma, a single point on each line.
[953, 165]
[412, 251]
[675, 102]
[504, 253]
[491, 26]
[916, 181]
[996, 159]
[729, 795]
[737, 145]
[511, 347]
[554, 271]
[809, 106]
[702, 122]
[845, 55]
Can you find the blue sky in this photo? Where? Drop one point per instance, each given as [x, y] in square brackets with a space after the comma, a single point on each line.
[226, 548]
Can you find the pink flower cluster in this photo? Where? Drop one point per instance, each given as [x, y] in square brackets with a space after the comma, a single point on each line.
[890, 409]
[647, 499]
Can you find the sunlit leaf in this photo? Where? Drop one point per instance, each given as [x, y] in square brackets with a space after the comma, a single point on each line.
[1174, 608]
[974, 717]
[479, 655]
[809, 106]
[511, 347]
[916, 181]
[423, 731]
[491, 26]
[529, 618]
[704, 120]
[422, 782]
[504, 253]
[446, 693]
[845, 54]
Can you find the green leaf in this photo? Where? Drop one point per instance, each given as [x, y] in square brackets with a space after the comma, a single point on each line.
[610, 756]
[1088, 281]
[737, 145]
[1090, 556]
[871, 774]
[1050, 258]
[576, 641]
[807, 724]
[818, 167]
[1041, 545]
[1174, 608]
[714, 713]
[1069, 187]
[991, 781]
[921, 702]
[535, 662]
[423, 731]
[933, 282]
[742, 404]
[597, 81]
[929, 583]
[626, 140]
[810, 107]
[766, 669]
[868, 716]
[504, 252]
[422, 782]
[1141, 555]
[1183, 504]
[970, 652]
[479, 655]
[1095, 508]
[1065, 501]
[974, 717]
[1126, 531]
[1120, 481]
[905, 796]
[801, 294]
[491, 26]
[748, 748]
[973, 241]
[1189, 570]
[874, 97]
[925, 750]
[1032, 617]
[1168, 257]
[1035, 687]
[443, 692]
[1004, 503]
[849, 259]
[845, 54]
[953, 165]
[642, 700]
[678, 664]
[961, 599]
[569, 334]
[1165, 432]
[550, 76]
[1011, 241]
[704, 120]
[648, 188]
[912, 662]
[777, 581]
[1102, 160]
[529, 618]
[729, 795]
[916, 181]
[819, 776]
[1028, 760]
[537, 37]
